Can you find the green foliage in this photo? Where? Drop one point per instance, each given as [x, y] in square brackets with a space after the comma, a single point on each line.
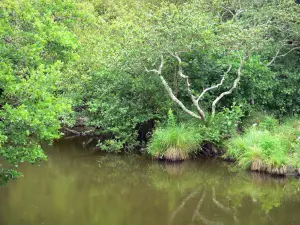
[251, 118]
[37, 50]
[7, 174]
[269, 123]
[120, 39]
[223, 126]
[116, 102]
[226, 122]
[187, 137]
[111, 145]
[267, 147]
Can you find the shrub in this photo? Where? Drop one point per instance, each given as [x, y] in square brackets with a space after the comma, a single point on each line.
[223, 126]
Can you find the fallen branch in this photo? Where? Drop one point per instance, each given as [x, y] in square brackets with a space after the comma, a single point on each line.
[77, 133]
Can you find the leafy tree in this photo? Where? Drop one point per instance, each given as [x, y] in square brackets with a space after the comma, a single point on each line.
[37, 48]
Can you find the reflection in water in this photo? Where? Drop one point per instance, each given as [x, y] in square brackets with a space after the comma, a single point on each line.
[75, 187]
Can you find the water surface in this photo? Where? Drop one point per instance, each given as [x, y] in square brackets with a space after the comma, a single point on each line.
[75, 187]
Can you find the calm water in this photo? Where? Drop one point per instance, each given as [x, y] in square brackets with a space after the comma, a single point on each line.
[78, 188]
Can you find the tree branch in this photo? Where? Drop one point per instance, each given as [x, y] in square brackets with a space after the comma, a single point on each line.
[277, 56]
[234, 15]
[235, 83]
[169, 90]
[215, 86]
[188, 87]
[77, 133]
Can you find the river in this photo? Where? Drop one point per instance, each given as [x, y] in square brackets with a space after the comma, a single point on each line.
[77, 187]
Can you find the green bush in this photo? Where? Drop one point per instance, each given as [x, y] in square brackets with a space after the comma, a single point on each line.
[267, 147]
[223, 126]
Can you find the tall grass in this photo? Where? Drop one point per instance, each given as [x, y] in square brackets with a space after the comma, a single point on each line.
[174, 142]
[268, 147]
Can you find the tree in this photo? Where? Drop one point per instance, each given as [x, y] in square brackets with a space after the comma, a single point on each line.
[195, 99]
[37, 51]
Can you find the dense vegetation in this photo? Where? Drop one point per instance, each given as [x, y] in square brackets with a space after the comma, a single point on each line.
[110, 63]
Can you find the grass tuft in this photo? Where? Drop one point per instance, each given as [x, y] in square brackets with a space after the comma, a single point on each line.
[174, 143]
[268, 147]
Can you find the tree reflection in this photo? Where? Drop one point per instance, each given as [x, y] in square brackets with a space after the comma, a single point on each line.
[76, 188]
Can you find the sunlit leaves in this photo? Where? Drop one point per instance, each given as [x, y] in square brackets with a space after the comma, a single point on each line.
[37, 49]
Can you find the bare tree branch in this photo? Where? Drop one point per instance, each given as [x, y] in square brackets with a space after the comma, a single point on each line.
[215, 86]
[169, 90]
[234, 15]
[228, 10]
[195, 100]
[278, 56]
[188, 87]
[159, 71]
[235, 83]
[274, 58]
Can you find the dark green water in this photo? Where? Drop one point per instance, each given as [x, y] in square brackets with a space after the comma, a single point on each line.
[77, 188]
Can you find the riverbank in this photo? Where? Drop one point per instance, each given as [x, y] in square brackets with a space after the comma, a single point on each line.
[269, 146]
